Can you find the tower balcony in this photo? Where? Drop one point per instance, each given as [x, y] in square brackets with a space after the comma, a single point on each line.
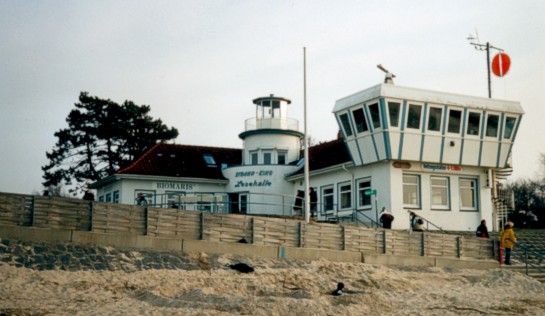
[253, 124]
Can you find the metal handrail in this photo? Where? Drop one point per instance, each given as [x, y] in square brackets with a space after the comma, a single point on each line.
[428, 223]
[525, 258]
[360, 212]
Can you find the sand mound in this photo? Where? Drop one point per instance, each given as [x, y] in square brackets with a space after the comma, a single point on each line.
[277, 287]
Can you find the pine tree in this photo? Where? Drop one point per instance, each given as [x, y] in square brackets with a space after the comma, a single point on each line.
[102, 136]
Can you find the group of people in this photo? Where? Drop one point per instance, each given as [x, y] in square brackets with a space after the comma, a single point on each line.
[507, 239]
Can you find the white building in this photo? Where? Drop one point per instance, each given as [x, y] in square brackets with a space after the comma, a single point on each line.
[433, 153]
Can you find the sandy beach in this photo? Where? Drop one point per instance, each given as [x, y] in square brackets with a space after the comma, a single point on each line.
[277, 287]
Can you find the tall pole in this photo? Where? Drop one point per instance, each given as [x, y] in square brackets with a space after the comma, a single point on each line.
[307, 189]
[478, 46]
[488, 68]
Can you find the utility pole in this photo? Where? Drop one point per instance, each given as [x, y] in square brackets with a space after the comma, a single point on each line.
[474, 41]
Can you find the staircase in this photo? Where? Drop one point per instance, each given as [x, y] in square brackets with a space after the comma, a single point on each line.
[529, 255]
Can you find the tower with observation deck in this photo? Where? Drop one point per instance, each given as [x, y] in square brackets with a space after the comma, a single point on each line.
[271, 151]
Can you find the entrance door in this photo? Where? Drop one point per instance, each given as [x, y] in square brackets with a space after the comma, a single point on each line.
[238, 203]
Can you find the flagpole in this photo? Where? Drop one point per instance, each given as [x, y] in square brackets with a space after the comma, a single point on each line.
[306, 158]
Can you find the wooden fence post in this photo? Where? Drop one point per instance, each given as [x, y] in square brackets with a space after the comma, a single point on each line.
[343, 238]
[384, 241]
[422, 245]
[201, 223]
[458, 246]
[90, 208]
[300, 235]
[32, 212]
[146, 221]
[252, 229]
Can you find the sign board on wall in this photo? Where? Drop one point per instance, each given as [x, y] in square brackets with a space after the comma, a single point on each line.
[441, 167]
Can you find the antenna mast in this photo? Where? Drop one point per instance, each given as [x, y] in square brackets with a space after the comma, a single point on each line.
[474, 41]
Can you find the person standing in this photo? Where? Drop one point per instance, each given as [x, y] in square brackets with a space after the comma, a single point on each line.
[386, 218]
[507, 240]
[482, 230]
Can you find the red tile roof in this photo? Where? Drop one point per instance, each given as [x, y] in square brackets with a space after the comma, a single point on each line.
[187, 161]
[183, 161]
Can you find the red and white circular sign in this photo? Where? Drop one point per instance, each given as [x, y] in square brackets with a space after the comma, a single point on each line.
[501, 64]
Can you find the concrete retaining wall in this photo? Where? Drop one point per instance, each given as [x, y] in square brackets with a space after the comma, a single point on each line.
[131, 241]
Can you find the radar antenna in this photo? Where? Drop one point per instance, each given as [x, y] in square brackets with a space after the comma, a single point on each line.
[388, 77]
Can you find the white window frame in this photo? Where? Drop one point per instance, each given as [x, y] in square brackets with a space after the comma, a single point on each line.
[361, 193]
[418, 192]
[326, 206]
[473, 189]
[443, 189]
[345, 190]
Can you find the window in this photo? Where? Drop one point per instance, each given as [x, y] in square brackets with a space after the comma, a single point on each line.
[375, 115]
[116, 197]
[473, 123]
[411, 191]
[346, 124]
[327, 199]
[492, 125]
[108, 197]
[440, 192]
[509, 125]
[254, 157]
[415, 112]
[393, 110]
[359, 118]
[243, 203]
[468, 194]
[434, 119]
[142, 197]
[364, 200]
[345, 196]
[209, 159]
[172, 199]
[282, 157]
[454, 119]
[267, 158]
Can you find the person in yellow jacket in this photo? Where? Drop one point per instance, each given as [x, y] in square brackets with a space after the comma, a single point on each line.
[507, 240]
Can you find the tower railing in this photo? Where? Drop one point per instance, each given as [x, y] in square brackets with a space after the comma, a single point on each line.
[271, 123]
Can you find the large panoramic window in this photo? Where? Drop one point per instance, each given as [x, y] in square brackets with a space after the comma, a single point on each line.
[454, 120]
[509, 126]
[473, 123]
[375, 115]
[363, 185]
[468, 194]
[346, 124]
[434, 119]
[440, 192]
[492, 125]
[327, 198]
[345, 195]
[359, 119]
[393, 111]
[415, 112]
[411, 191]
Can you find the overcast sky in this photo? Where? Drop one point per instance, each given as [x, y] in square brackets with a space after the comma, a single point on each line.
[199, 64]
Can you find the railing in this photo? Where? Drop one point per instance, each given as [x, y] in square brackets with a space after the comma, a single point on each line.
[427, 223]
[272, 123]
[528, 256]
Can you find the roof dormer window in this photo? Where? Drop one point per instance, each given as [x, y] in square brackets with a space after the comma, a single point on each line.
[209, 159]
